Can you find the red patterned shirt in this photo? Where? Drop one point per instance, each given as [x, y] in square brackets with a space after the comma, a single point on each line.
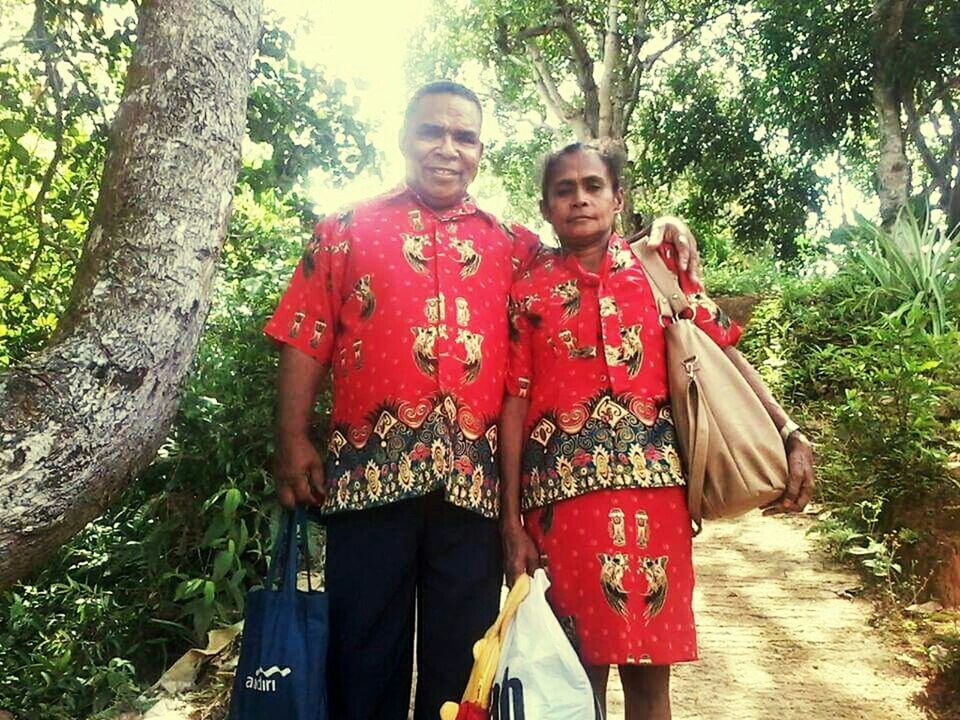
[588, 350]
[408, 307]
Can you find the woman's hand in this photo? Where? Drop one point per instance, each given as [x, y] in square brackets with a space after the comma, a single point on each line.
[669, 229]
[520, 554]
[801, 478]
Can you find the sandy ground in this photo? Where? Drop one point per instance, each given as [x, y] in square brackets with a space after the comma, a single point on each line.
[777, 641]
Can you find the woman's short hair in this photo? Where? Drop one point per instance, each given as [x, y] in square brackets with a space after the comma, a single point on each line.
[613, 163]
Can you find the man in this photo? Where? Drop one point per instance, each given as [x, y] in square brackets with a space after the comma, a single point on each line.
[403, 300]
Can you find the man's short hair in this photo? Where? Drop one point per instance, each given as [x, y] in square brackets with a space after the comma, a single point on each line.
[440, 87]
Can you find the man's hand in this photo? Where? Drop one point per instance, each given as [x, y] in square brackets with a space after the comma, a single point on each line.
[520, 554]
[800, 480]
[298, 472]
[671, 229]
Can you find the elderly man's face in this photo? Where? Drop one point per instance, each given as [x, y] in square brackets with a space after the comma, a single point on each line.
[441, 143]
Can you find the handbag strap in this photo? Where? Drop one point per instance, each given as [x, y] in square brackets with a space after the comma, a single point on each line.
[291, 534]
[669, 295]
[700, 436]
[663, 282]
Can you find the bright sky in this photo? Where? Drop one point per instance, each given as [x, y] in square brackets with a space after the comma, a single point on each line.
[365, 44]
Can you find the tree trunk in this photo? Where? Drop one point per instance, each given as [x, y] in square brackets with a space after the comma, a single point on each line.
[952, 208]
[893, 170]
[82, 417]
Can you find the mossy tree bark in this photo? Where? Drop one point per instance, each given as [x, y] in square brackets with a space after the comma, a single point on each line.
[82, 417]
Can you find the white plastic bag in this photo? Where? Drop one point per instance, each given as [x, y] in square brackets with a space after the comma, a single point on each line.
[539, 676]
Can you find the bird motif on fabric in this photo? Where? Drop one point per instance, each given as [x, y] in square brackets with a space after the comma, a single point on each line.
[414, 251]
[295, 325]
[608, 306]
[569, 294]
[573, 350]
[424, 349]
[612, 568]
[469, 258]
[319, 327]
[473, 359]
[313, 246]
[622, 259]
[631, 349]
[655, 571]
[363, 291]
[567, 479]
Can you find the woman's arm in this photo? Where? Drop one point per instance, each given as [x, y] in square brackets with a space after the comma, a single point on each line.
[519, 553]
[799, 451]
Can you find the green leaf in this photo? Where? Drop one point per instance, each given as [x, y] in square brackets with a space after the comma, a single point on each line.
[20, 153]
[231, 502]
[209, 592]
[12, 277]
[187, 589]
[222, 564]
[14, 128]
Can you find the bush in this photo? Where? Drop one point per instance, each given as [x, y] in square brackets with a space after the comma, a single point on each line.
[910, 271]
[881, 398]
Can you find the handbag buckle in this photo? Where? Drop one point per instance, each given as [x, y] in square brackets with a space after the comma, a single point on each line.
[691, 365]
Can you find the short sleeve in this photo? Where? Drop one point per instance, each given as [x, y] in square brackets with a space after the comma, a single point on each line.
[520, 352]
[526, 245]
[708, 316]
[305, 317]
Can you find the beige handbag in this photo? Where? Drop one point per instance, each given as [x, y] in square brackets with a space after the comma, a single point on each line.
[733, 454]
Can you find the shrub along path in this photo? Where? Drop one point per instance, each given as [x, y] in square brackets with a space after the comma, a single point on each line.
[777, 639]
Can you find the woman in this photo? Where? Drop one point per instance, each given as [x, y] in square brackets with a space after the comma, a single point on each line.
[592, 486]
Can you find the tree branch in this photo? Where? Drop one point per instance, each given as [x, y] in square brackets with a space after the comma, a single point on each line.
[938, 170]
[610, 75]
[547, 87]
[943, 90]
[633, 71]
[46, 46]
[582, 64]
[641, 35]
[537, 31]
[651, 60]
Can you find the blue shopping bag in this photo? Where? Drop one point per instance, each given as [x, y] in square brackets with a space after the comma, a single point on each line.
[281, 674]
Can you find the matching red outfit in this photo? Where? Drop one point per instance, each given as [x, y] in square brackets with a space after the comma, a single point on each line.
[602, 483]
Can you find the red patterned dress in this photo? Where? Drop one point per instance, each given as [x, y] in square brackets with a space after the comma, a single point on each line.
[602, 487]
[408, 307]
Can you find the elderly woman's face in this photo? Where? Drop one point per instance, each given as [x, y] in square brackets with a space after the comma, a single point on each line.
[581, 202]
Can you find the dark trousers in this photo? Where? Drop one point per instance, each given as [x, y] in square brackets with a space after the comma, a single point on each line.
[381, 564]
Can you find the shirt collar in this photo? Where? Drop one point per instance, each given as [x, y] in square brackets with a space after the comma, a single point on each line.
[589, 277]
[467, 206]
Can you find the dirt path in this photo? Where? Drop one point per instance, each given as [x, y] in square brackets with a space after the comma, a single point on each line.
[776, 640]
